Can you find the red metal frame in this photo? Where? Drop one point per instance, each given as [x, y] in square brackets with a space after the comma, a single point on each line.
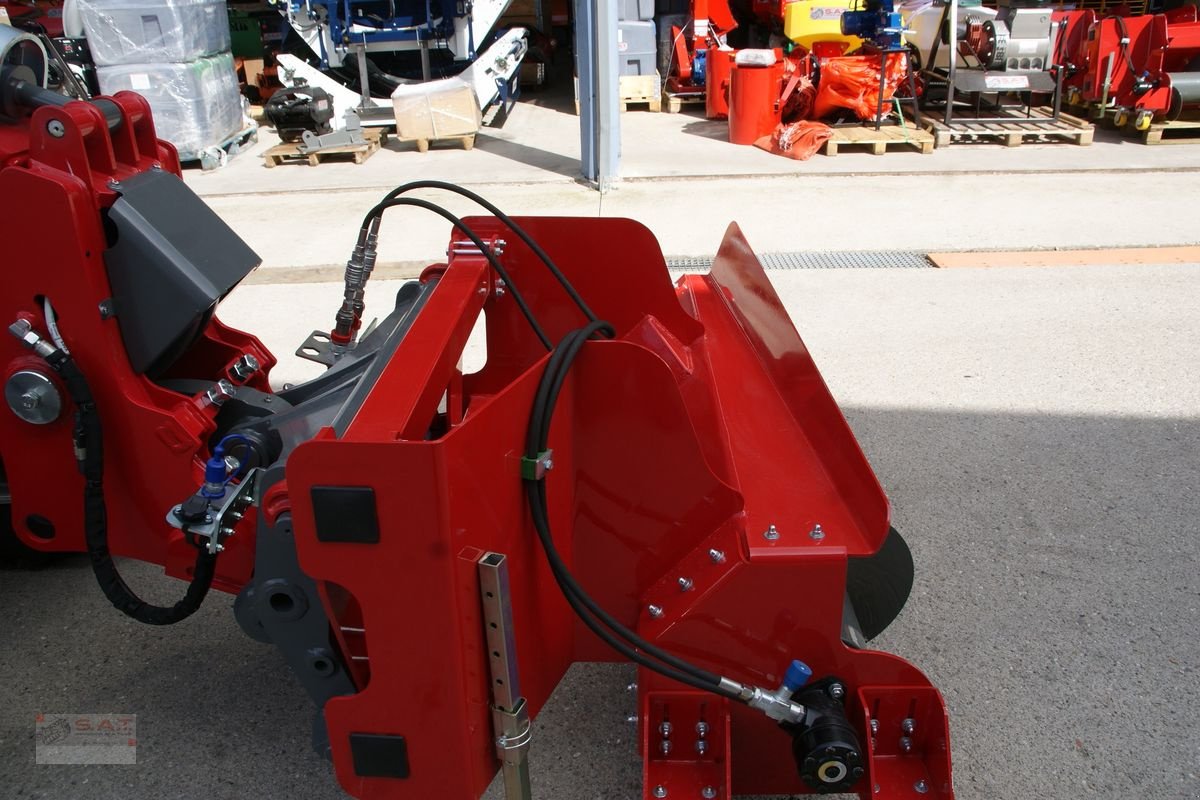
[1159, 44]
[59, 187]
[701, 424]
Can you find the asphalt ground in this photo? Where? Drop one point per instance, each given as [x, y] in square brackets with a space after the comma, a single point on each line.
[1037, 431]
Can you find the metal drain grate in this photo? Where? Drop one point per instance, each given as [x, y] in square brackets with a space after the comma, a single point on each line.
[838, 259]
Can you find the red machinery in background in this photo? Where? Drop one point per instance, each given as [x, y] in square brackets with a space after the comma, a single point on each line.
[640, 471]
[1146, 68]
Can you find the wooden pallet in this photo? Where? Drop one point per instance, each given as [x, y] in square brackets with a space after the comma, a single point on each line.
[467, 140]
[674, 103]
[1181, 131]
[289, 152]
[1040, 125]
[635, 90]
[888, 136]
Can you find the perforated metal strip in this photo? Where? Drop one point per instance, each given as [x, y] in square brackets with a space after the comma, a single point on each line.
[834, 259]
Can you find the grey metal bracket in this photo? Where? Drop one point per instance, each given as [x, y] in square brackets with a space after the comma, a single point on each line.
[221, 518]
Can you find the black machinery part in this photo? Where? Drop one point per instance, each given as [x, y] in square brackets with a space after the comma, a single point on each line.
[879, 584]
[297, 109]
[825, 744]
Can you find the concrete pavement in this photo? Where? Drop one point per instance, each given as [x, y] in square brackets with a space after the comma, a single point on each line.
[1037, 432]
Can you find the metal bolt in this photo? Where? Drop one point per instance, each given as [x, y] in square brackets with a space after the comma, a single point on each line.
[770, 534]
[717, 556]
[30, 400]
[906, 744]
[701, 746]
[708, 793]
[114, 184]
[500, 286]
[222, 391]
[632, 687]
[837, 691]
[874, 726]
[701, 729]
[685, 584]
[908, 726]
[816, 533]
[660, 791]
[665, 747]
[665, 729]
[632, 719]
[246, 366]
[655, 611]
[56, 129]
[921, 786]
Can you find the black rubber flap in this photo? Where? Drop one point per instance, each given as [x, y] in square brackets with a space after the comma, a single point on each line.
[879, 584]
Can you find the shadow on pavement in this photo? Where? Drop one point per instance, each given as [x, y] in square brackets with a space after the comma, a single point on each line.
[1055, 605]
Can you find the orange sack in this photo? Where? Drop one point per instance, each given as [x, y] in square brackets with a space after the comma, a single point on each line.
[853, 82]
[798, 140]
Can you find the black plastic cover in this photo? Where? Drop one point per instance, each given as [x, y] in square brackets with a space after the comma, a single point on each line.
[172, 261]
[378, 755]
[345, 514]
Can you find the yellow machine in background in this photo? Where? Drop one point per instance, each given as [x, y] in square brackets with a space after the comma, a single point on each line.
[806, 22]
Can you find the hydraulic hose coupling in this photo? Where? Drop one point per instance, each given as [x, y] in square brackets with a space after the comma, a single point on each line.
[216, 473]
[776, 704]
[22, 330]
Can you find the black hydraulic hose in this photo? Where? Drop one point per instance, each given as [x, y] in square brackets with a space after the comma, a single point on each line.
[484, 249]
[89, 451]
[529, 241]
[537, 437]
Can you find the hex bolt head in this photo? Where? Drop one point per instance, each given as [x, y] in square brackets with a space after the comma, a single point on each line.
[655, 611]
[908, 725]
[701, 729]
[665, 729]
[837, 691]
[874, 726]
[906, 744]
[685, 584]
[708, 793]
[921, 787]
[816, 533]
[701, 746]
[717, 556]
[660, 791]
[771, 534]
[665, 747]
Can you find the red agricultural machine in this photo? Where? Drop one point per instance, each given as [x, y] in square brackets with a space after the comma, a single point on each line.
[1142, 68]
[640, 471]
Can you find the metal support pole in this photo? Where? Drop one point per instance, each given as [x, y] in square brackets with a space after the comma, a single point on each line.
[426, 70]
[364, 82]
[952, 12]
[599, 103]
[510, 712]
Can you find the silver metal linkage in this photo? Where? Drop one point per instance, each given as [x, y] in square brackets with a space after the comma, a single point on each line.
[510, 712]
